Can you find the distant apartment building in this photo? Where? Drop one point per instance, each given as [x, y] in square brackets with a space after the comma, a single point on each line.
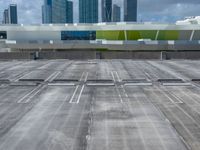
[116, 17]
[88, 11]
[106, 10]
[57, 11]
[10, 15]
[130, 10]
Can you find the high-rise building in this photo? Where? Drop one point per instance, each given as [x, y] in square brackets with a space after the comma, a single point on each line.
[10, 15]
[12, 11]
[116, 17]
[69, 12]
[47, 11]
[130, 10]
[106, 10]
[5, 17]
[88, 11]
[57, 11]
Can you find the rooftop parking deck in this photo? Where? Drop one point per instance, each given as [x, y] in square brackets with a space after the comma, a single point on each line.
[100, 104]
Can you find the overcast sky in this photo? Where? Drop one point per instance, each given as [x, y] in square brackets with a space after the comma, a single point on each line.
[29, 11]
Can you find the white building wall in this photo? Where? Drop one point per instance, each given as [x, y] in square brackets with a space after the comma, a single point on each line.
[34, 35]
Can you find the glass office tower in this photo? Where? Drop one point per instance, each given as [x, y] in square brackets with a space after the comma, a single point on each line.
[88, 11]
[47, 11]
[130, 10]
[106, 10]
[12, 11]
[69, 11]
[57, 11]
[116, 13]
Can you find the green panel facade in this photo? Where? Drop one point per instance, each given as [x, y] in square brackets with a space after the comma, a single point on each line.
[168, 35]
[110, 35]
[133, 35]
[138, 34]
[144, 34]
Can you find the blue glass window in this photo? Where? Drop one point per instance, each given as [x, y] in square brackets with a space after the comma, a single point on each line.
[78, 35]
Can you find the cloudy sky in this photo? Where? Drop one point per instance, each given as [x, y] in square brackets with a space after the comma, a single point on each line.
[29, 11]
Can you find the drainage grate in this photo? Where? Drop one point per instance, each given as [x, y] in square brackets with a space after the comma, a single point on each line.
[24, 84]
[139, 84]
[170, 80]
[173, 82]
[61, 84]
[177, 84]
[65, 80]
[100, 82]
[32, 80]
[136, 82]
[4, 81]
[196, 80]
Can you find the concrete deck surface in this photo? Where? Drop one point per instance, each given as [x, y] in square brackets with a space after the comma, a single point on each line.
[99, 105]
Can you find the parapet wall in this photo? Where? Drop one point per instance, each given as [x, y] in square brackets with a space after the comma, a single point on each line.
[92, 54]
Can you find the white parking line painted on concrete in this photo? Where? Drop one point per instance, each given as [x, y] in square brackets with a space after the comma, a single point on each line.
[26, 98]
[79, 97]
[73, 99]
[52, 76]
[82, 88]
[113, 76]
[122, 86]
[117, 89]
[117, 75]
[172, 100]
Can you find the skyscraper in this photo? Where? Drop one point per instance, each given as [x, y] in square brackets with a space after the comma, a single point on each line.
[69, 11]
[116, 13]
[57, 11]
[88, 11]
[5, 17]
[10, 15]
[12, 12]
[130, 10]
[106, 10]
[47, 11]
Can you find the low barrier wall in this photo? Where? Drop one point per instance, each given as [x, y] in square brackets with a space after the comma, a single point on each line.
[92, 54]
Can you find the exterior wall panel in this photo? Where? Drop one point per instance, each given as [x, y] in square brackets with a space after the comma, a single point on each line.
[185, 35]
[110, 35]
[145, 34]
[33, 35]
[196, 35]
[168, 35]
